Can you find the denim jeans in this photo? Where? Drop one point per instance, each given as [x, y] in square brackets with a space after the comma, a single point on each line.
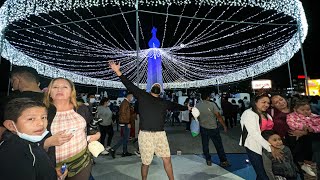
[104, 130]
[257, 164]
[124, 139]
[214, 135]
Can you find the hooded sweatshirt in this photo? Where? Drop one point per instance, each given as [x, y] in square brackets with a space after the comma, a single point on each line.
[21, 159]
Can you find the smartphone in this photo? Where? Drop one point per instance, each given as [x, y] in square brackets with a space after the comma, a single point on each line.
[71, 131]
[63, 168]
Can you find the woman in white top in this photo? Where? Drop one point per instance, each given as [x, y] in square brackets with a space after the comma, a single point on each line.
[251, 134]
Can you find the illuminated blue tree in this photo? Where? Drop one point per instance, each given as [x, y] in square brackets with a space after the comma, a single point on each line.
[154, 61]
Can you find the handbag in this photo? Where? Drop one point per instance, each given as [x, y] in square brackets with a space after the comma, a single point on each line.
[77, 162]
[195, 127]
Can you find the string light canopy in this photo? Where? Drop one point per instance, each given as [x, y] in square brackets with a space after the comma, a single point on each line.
[202, 42]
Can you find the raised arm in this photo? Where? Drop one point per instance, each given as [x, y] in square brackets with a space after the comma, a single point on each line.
[137, 92]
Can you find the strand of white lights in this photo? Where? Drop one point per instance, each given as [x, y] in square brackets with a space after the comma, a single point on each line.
[141, 32]
[101, 44]
[186, 29]
[165, 27]
[105, 30]
[65, 40]
[125, 20]
[57, 53]
[193, 30]
[72, 32]
[176, 29]
[111, 51]
[206, 36]
[225, 57]
[243, 60]
[205, 32]
[247, 41]
[95, 40]
[275, 60]
[115, 48]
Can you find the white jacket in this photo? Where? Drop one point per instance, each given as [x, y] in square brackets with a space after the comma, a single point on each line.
[255, 142]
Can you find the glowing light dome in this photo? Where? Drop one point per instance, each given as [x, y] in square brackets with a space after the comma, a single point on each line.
[202, 42]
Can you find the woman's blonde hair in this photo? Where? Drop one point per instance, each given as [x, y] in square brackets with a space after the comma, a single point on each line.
[73, 99]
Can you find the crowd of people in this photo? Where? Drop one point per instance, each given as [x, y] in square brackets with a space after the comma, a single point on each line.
[281, 136]
[49, 132]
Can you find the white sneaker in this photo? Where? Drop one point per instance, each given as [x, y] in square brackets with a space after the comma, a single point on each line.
[104, 152]
[137, 153]
[307, 168]
[108, 148]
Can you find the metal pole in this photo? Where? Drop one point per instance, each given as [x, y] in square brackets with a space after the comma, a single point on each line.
[290, 78]
[137, 41]
[302, 54]
[8, 90]
[304, 65]
[254, 92]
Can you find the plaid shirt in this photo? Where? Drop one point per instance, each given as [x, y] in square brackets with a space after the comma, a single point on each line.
[297, 121]
[64, 121]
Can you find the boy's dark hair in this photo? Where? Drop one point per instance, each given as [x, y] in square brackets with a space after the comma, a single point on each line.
[296, 102]
[267, 133]
[28, 73]
[15, 107]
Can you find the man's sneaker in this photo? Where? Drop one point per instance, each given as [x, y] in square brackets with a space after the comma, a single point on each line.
[105, 152]
[112, 152]
[137, 153]
[126, 154]
[134, 140]
[108, 148]
[209, 163]
[307, 168]
[225, 164]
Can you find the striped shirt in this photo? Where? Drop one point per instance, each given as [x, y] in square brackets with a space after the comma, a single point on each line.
[68, 120]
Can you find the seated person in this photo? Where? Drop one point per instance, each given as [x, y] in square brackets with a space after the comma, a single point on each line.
[275, 169]
[21, 155]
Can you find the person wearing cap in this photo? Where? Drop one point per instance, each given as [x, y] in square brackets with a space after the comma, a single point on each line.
[152, 110]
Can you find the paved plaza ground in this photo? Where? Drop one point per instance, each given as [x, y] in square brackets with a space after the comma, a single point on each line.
[187, 166]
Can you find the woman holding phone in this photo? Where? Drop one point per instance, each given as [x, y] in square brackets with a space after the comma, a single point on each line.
[74, 152]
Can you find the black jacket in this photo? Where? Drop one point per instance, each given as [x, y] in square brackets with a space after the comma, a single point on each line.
[21, 159]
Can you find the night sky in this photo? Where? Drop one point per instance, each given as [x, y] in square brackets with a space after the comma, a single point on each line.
[310, 48]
